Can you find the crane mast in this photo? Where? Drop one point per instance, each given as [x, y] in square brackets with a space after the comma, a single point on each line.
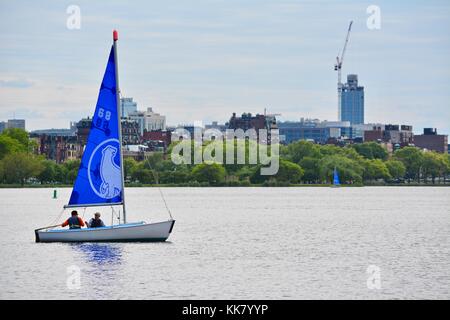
[338, 68]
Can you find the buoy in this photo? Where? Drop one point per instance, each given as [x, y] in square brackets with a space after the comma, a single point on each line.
[54, 194]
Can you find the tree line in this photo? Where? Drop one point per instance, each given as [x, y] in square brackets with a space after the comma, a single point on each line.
[301, 162]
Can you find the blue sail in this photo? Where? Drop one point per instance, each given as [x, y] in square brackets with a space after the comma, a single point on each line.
[99, 180]
[335, 178]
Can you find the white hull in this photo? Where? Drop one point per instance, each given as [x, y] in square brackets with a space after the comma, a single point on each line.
[141, 231]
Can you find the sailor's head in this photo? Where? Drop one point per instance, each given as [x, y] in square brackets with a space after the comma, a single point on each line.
[74, 213]
[97, 215]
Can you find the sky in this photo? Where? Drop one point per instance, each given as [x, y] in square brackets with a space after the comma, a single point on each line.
[203, 60]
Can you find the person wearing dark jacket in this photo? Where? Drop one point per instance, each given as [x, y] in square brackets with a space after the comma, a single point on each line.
[96, 222]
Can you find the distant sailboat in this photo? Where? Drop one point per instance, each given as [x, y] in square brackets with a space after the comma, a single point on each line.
[336, 182]
[100, 180]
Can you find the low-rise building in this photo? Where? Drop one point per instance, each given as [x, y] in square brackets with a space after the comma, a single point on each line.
[152, 137]
[247, 121]
[148, 120]
[215, 125]
[3, 126]
[431, 140]
[59, 145]
[83, 128]
[16, 123]
[399, 135]
[12, 123]
[313, 130]
[130, 131]
[257, 122]
[137, 152]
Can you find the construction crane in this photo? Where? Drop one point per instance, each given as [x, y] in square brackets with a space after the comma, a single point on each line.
[338, 68]
[271, 120]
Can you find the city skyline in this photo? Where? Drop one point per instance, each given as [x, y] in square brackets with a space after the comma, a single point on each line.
[206, 61]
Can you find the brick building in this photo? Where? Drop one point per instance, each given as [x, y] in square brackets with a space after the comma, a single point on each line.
[430, 140]
[158, 136]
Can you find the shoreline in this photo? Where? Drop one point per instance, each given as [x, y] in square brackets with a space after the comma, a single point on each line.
[54, 186]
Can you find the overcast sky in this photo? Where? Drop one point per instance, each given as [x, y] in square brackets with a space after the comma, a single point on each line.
[203, 60]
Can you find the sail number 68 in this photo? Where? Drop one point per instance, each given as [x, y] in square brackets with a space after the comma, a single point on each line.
[107, 114]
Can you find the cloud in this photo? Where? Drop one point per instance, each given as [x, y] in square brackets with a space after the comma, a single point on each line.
[18, 83]
[208, 59]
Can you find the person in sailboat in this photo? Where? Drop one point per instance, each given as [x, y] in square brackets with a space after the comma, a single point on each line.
[96, 222]
[74, 222]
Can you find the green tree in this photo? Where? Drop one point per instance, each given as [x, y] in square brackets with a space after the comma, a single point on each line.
[48, 173]
[19, 167]
[371, 150]
[376, 169]
[244, 173]
[18, 134]
[71, 171]
[213, 173]
[129, 165]
[179, 174]
[412, 158]
[296, 151]
[155, 161]
[350, 171]
[433, 165]
[288, 172]
[396, 169]
[329, 150]
[143, 175]
[61, 173]
[2, 173]
[9, 145]
[446, 161]
[311, 167]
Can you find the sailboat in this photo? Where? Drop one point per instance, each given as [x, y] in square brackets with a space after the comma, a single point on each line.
[100, 180]
[336, 182]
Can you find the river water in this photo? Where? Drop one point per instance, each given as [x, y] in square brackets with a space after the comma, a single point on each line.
[239, 243]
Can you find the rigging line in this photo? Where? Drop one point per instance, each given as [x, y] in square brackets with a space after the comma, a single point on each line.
[114, 214]
[165, 203]
[59, 216]
[159, 189]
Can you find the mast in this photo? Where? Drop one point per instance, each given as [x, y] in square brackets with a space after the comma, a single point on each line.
[116, 65]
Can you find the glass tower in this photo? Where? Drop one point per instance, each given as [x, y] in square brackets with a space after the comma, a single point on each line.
[352, 101]
[127, 106]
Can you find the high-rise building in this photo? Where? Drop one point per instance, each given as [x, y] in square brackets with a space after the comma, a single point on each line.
[352, 101]
[127, 106]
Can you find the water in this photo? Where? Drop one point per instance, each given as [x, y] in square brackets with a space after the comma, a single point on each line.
[239, 243]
